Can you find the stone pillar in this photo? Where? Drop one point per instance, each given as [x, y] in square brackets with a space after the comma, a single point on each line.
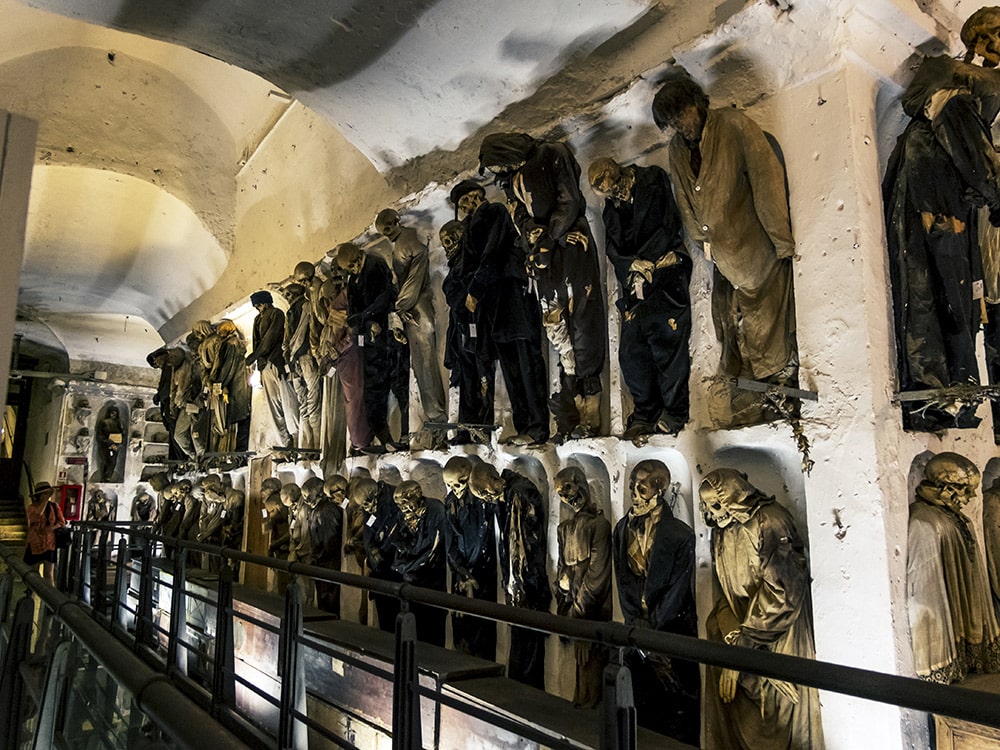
[17, 157]
[856, 494]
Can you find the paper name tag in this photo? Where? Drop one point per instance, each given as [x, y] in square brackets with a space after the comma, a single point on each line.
[263, 512]
[178, 506]
[472, 330]
[223, 514]
[637, 287]
[347, 501]
[371, 521]
[977, 289]
[361, 341]
[708, 250]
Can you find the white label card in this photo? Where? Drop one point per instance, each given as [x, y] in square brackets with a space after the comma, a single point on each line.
[472, 330]
[371, 521]
[263, 512]
[347, 501]
[708, 250]
[977, 289]
[361, 341]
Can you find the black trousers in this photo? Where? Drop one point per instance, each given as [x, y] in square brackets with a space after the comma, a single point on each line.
[656, 363]
[524, 375]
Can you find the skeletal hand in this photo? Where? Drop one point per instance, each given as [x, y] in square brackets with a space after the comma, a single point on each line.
[577, 237]
[727, 684]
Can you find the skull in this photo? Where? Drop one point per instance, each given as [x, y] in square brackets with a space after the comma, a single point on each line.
[270, 485]
[456, 476]
[608, 178]
[981, 35]
[571, 486]
[726, 495]
[387, 224]
[485, 483]
[451, 237]
[182, 488]
[290, 494]
[351, 258]
[312, 490]
[336, 488]
[364, 492]
[955, 478]
[211, 485]
[409, 498]
[649, 480]
[469, 203]
[304, 272]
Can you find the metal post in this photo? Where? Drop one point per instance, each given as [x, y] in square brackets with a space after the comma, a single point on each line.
[99, 583]
[85, 592]
[121, 585]
[288, 648]
[618, 720]
[405, 696]
[223, 677]
[144, 610]
[63, 557]
[177, 630]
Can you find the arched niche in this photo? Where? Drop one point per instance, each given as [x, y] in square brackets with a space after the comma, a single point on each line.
[681, 496]
[773, 472]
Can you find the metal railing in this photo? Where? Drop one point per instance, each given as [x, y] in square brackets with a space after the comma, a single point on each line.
[128, 612]
[81, 661]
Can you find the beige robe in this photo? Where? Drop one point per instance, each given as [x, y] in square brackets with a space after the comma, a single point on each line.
[737, 207]
[953, 626]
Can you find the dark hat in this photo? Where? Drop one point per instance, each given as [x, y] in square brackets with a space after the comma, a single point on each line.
[151, 357]
[260, 298]
[41, 488]
[464, 188]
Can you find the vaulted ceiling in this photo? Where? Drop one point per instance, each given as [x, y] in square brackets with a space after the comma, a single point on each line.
[191, 151]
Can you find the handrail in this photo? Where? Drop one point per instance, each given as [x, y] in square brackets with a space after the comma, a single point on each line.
[153, 693]
[907, 692]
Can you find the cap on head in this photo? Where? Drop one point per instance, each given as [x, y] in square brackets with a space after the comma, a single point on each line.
[261, 298]
[463, 188]
[984, 20]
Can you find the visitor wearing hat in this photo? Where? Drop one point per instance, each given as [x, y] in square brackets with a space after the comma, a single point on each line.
[44, 517]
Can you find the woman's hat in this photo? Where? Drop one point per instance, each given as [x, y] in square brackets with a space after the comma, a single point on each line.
[41, 488]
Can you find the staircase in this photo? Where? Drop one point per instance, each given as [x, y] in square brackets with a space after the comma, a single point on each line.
[13, 521]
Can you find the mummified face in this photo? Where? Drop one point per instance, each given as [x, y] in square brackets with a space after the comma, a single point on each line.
[336, 488]
[645, 493]
[364, 492]
[456, 477]
[387, 224]
[470, 202]
[571, 486]
[714, 509]
[451, 237]
[486, 484]
[954, 477]
[409, 498]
